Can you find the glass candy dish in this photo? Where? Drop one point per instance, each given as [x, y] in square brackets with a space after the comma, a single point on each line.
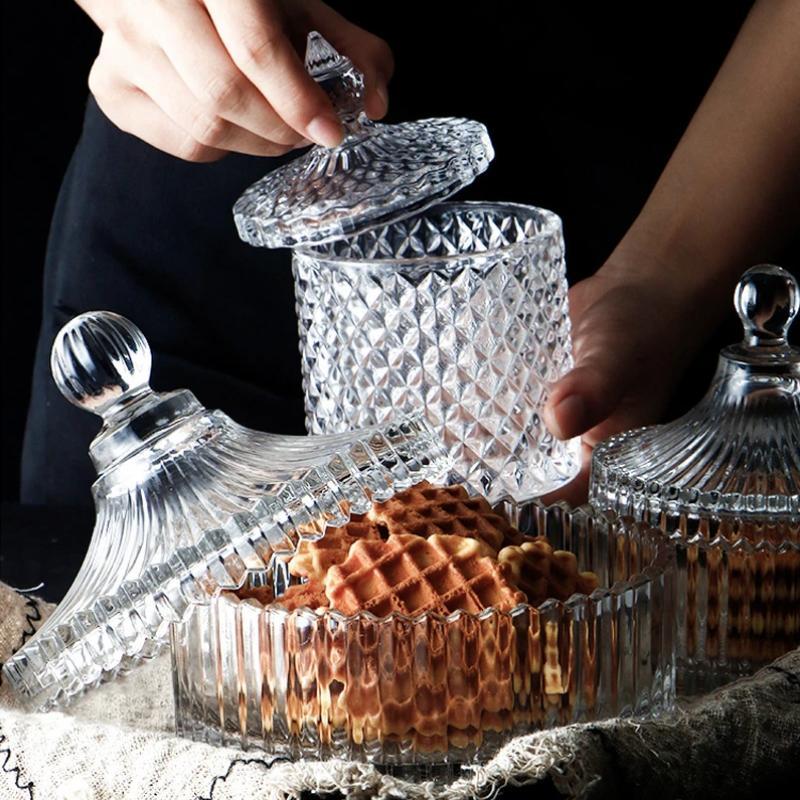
[430, 690]
[725, 479]
[455, 311]
[184, 497]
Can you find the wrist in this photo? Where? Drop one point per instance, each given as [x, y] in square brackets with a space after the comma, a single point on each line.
[667, 252]
[677, 280]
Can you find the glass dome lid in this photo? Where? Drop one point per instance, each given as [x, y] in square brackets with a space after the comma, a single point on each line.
[186, 500]
[378, 174]
[737, 453]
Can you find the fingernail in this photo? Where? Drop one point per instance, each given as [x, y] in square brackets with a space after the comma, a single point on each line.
[567, 419]
[325, 131]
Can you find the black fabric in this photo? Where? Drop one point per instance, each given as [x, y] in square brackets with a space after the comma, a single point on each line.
[151, 237]
[584, 102]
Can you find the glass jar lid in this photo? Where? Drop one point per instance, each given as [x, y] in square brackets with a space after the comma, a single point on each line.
[186, 499]
[378, 174]
[738, 451]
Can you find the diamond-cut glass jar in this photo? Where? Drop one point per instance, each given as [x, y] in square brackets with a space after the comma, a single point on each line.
[459, 312]
[405, 303]
[428, 690]
[725, 480]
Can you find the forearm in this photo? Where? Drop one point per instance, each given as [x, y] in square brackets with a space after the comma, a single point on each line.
[731, 190]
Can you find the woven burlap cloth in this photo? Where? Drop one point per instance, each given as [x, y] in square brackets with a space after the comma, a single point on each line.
[117, 743]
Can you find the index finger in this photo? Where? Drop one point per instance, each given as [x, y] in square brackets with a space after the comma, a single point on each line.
[254, 36]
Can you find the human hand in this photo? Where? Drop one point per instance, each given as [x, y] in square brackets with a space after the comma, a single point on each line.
[200, 78]
[634, 330]
[720, 203]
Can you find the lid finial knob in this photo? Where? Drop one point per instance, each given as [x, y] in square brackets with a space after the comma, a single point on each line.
[339, 79]
[101, 362]
[767, 301]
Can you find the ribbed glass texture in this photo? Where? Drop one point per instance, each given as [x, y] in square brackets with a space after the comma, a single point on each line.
[460, 313]
[724, 481]
[184, 514]
[430, 690]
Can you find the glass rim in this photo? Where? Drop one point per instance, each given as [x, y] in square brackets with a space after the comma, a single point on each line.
[551, 226]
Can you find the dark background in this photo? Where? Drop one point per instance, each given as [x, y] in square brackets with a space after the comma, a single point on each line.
[584, 106]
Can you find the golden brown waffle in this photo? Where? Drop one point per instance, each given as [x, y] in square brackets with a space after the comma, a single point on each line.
[425, 510]
[565, 579]
[529, 567]
[411, 575]
[542, 572]
[263, 594]
[304, 595]
[313, 559]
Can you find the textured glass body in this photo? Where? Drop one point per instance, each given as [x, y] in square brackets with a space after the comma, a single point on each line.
[724, 479]
[431, 689]
[460, 313]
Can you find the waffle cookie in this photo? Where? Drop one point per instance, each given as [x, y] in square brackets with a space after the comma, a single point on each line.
[425, 510]
[263, 594]
[313, 559]
[411, 575]
[304, 595]
[542, 572]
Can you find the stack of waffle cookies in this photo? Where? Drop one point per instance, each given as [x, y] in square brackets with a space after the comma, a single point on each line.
[403, 666]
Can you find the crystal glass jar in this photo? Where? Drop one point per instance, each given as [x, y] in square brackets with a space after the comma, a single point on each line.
[459, 313]
[422, 691]
[724, 480]
[183, 496]
[454, 310]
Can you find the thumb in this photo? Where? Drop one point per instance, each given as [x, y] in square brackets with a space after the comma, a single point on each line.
[586, 396]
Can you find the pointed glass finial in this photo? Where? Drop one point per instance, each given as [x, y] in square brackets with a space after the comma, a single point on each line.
[339, 78]
[322, 57]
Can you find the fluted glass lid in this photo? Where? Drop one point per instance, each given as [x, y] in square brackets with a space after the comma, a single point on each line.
[738, 451]
[378, 174]
[186, 498]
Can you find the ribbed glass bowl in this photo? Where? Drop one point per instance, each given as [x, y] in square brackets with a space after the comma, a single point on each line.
[738, 596]
[414, 693]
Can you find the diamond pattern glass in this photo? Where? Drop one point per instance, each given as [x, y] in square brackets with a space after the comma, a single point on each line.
[460, 312]
[378, 173]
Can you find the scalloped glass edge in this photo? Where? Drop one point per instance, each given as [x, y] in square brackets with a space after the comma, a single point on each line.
[122, 630]
[227, 692]
[622, 490]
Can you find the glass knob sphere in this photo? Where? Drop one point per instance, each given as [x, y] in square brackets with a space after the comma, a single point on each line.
[767, 301]
[100, 361]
